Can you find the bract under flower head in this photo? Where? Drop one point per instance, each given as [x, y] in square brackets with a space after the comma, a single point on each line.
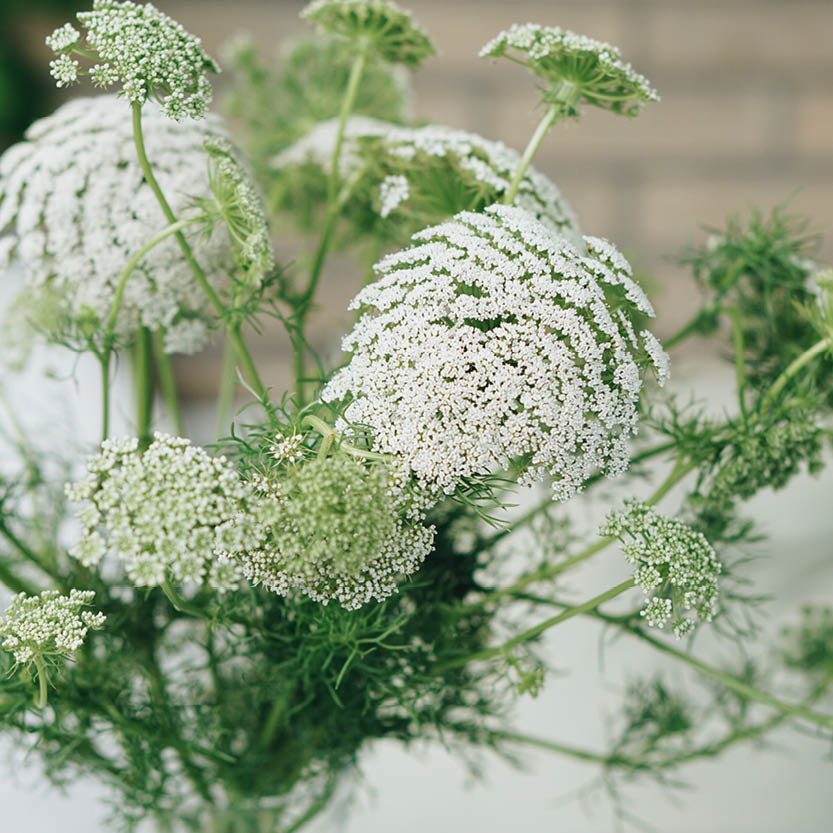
[77, 207]
[148, 52]
[676, 567]
[170, 511]
[48, 624]
[493, 341]
[445, 170]
[345, 530]
[387, 30]
[576, 69]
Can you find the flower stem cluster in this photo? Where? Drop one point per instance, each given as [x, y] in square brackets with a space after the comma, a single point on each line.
[676, 567]
[151, 55]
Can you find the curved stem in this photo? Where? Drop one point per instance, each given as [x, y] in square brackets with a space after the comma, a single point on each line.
[805, 358]
[167, 381]
[14, 582]
[196, 269]
[544, 125]
[42, 692]
[538, 629]
[329, 434]
[180, 603]
[144, 386]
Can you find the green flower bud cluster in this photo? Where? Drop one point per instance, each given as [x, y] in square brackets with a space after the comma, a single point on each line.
[47, 625]
[676, 567]
[382, 28]
[144, 49]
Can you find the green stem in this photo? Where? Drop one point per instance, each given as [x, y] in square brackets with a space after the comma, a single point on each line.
[104, 361]
[805, 358]
[28, 553]
[167, 381]
[181, 604]
[196, 269]
[544, 125]
[14, 582]
[41, 668]
[538, 629]
[329, 434]
[144, 386]
[740, 370]
[228, 383]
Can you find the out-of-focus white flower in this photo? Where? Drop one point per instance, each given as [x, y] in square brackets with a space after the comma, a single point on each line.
[150, 53]
[48, 624]
[493, 341]
[393, 191]
[77, 208]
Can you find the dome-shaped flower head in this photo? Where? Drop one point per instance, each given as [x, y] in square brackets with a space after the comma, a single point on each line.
[345, 530]
[574, 69]
[50, 624]
[416, 176]
[385, 29]
[170, 511]
[493, 341]
[676, 567]
[77, 207]
[141, 48]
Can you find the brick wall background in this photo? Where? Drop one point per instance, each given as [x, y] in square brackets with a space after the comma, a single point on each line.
[746, 118]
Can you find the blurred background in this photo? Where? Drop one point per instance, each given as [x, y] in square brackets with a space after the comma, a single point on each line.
[746, 119]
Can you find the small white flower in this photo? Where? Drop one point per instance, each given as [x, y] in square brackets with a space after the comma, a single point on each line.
[63, 38]
[393, 192]
[64, 70]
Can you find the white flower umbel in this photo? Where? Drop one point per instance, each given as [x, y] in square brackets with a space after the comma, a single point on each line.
[493, 342]
[48, 625]
[149, 53]
[345, 531]
[170, 512]
[575, 69]
[77, 208]
[380, 26]
[676, 567]
[446, 170]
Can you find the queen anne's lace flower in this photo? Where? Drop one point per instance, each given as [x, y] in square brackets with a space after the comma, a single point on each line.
[48, 624]
[344, 531]
[493, 341]
[168, 512]
[151, 54]
[576, 69]
[676, 567]
[472, 171]
[78, 208]
[389, 30]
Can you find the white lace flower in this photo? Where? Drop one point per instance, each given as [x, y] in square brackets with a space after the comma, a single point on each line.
[393, 191]
[151, 54]
[472, 171]
[167, 512]
[48, 624]
[576, 69]
[676, 567]
[493, 341]
[344, 530]
[75, 201]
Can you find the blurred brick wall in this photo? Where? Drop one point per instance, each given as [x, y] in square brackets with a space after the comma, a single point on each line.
[746, 116]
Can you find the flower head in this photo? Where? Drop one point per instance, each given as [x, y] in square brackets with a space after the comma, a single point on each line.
[48, 624]
[389, 31]
[493, 341]
[344, 530]
[170, 511]
[575, 69]
[77, 208]
[148, 52]
[676, 567]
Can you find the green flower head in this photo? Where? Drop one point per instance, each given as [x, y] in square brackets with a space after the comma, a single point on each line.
[148, 52]
[382, 27]
[575, 69]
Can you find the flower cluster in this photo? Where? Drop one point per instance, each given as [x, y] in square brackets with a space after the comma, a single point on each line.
[48, 624]
[676, 567]
[445, 170]
[389, 31]
[345, 530]
[393, 191]
[241, 207]
[576, 69]
[79, 208]
[144, 49]
[493, 341]
[168, 512]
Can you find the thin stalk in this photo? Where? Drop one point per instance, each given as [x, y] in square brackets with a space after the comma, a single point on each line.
[228, 384]
[27, 552]
[167, 381]
[329, 434]
[188, 254]
[143, 369]
[42, 693]
[181, 604]
[14, 582]
[538, 629]
[544, 125]
[740, 370]
[104, 362]
[805, 358]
